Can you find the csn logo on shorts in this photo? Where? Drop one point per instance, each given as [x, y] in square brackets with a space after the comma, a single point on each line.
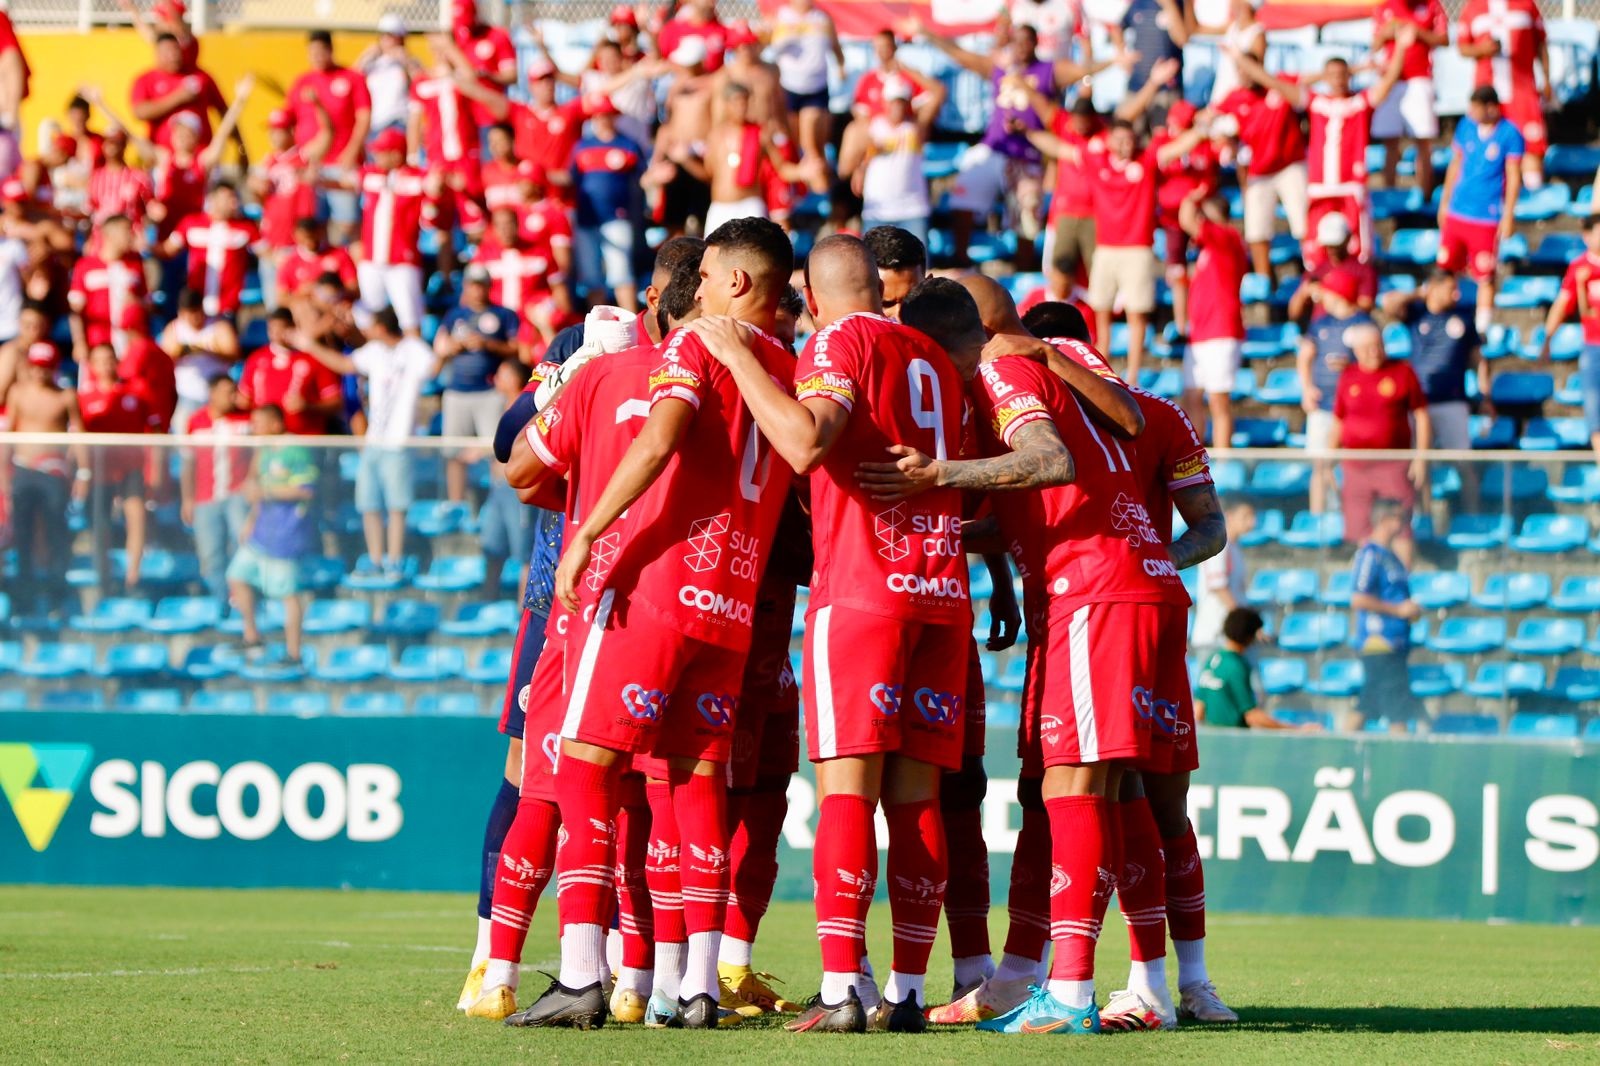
[716, 709]
[940, 708]
[1164, 713]
[646, 704]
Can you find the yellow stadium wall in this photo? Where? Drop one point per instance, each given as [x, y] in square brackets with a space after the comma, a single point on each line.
[112, 59]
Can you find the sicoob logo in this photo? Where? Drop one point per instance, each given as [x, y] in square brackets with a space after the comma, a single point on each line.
[646, 703]
[886, 698]
[940, 708]
[718, 710]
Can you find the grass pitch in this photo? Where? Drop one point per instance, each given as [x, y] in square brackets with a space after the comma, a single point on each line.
[169, 976]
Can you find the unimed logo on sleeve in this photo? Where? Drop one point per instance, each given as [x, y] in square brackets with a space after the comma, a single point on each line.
[39, 781]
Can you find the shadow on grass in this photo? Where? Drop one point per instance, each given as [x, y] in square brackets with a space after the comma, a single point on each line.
[1571, 1020]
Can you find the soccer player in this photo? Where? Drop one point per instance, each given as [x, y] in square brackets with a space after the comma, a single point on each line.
[1096, 576]
[886, 646]
[1476, 209]
[902, 261]
[672, 590]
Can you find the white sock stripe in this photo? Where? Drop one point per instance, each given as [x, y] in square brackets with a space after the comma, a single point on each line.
[507, 919]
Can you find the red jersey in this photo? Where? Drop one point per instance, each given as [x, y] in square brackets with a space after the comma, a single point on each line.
[391, 215]
[503, 184]
[1336, 159]
[8, 44]
[1374, 406]
[181, 189]
[1196, 169]
[450, 133]
[1426, 15]
[290, 197]
[122, 190]
[158, 84]
[220, 470]
[694, 546]
[1092, 541]
[342, 92]
[489, 51]
[149, 373]
[547, 224]
[1519, 28]
[1074, 195]
[1168, 457]
[117, 409]
[219, 255]
[1366, 278]
[902, 560]
[102, 291]
[1269, 129]
[1215, 310]
[546, 137]
[1583, 273]
[518, 275]
[300, 268]
[869, 92]
[1124, 195]
[270, 374]
[675, 31]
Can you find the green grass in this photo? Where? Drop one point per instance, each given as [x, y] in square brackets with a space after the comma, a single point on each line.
[164, 976]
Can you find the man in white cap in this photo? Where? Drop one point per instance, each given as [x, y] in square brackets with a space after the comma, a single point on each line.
[1332, 256]
[389, 70]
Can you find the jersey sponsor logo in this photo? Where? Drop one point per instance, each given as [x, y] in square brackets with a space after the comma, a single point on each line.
[939, 588]
[1150, 708]
[605, 556]
[547, 420]
[551, 746]
[1130, 517]
[1060, 880]
[716, 603]
[716, 709]
[1160, 568]
[645, 703]
[923, 888]
[886, 698]
[1193, 466]
[520, 873]
[707, 860]
[1013, 409]
[1059, 586]
[893, 544]
[940, 708]
[705, 545]
[670, 374]
[827, 384]
[996, 385]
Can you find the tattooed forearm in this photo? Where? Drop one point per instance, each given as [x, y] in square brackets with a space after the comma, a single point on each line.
[1038, 459]
[1208, 530]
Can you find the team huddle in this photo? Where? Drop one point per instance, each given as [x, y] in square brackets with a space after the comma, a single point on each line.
[704, 472]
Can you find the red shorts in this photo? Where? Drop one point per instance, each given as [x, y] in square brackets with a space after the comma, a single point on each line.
[1470, 246]
[1354, 210]
[646, 689]
[1526, 112]
[543, 703]
[975, 723]
[766, 732]
[1172, 742]
[1177, 257]
[1085, 698]
[863, 670]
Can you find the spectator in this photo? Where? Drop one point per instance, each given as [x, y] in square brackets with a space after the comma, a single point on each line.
[1507, 38]
[1243, 34]
[736, 150]
[507, 180]
[105, 284]
[888, 174]
[169, 18]
[868, 101]
[902, 260]
[218, 246]
[1476, 211]
[396, 367]
[528, 267]
[605, 173]
[109, 405]
[1154, 31]
[285, 185]
[202, 348]
[14, 259]
[1580, 295]
[487, 50]
[1381, 598]
[389, 270]
[1193, 174]
[444, 129]
[474, 338]
[1333, 240]
[691, 93]
[1324, 353]
[333, 98]
[115, 188]
[628, 83]
[389, 70]
[803, 38]
[307, 395]
[42, 478]
[1054, 22]
[308, 259]
[1225, 695]
[212, 482]
[14, 76]
[1223, 579]
[1271, 146]
[1409, 113]
[1376, 405]
[171, 90]
[279, 531]
[1216, 331]
[1069, 236]
[547, 132]
[504, 526]
[149, 374]
[696, 21]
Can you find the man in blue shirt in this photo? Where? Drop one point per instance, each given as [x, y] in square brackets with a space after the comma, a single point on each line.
[473, 339]
[605, 173]
[1381, 599]
[1323, 355]
[1480, 195]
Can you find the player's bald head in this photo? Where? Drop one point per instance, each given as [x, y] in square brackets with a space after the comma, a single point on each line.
[995, 306]
[842, 276]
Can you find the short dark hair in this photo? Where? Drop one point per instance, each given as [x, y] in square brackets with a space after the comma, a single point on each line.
[1485, 94]
[792, 302]
[1337, 61]
[191, 300]
[672, 254]
[330, 277]
[1084, 106]
[308, 224]
[896, 249]
[1242, 624]
[223, 183]
[944, 310]
[217, 378]
[77, 103]
[386, 319]
[116, 220]
[322, 37]
[761, 240]
[1438, 274]
[505, 128]
[1056, 318]
[677, 299]
[281, 314]
[1591, 222]
[166, 38]
[1119, 123]
[272, 409]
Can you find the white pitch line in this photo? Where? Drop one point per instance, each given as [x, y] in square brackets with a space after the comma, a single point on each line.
[186, 971]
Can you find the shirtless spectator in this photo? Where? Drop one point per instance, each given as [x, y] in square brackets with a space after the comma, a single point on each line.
[42, 478]
[735, 150]
[682, 194]
[201, 347]
[745, 66]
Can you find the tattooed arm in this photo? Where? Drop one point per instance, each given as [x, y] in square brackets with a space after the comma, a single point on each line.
[1208, 531]
[1038, 459]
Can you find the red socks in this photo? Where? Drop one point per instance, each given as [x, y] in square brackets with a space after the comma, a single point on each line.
[966, 901]
[1142, 882]
[700, 802]
[587, 793]
[918, 870]
[526, 860]
[757, 818]
[844, 864]
[661, 866]
[634, 917]
[1080, 882]
[1186, 887]
[1029, 901]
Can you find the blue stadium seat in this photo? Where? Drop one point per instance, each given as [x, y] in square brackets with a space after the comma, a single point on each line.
[71, 699]
[275, 666]
[372, 704]
[1269, 527]
[1553, 435]
[1437, 590]
[1572, 161]
[1496, 433]
[1299, 717]
[1576, 684]
[222, 701]
[1478, 532]
[1544, 203]
[1281, 388]
[502, 617]
[1566, 343]
[53, 661]
[979, 584]
[114, 615]
[208, 663]
[1431, 680]
[1280, 480]
[1010, 679]
[1282, 588]
[1260, 433]
[491, 668]
[182, 615]
[1514, 249]
[1313, 631]
[1516, 388]
[1527, 482]
[1545, 533]
[321, 574]
[1411, 247]
[367, 577]
[1279, 677]
[125, 662]
[1228, 475]
[1315, 531]
[408, 619]
[1468, 635]
[1526, 292]
[1467, 725]
[254, 335]
[1283, 249]
[1571, 393]
[1558, 249]
[453, 573]
[447, 705]
[436, 518]
[1531, 726]
[1397, 340]
[1578, 594]
[1390, 203]
[1499, 679]
[1269, 342]
[1512, 592]
[428, 664]
[1547, 636]
[1592, 730]
[353, 665]
[299, 704]
[1339, 679]
[1580, 483]
[1444, 481]
[150, 701]
[330, 617]
[269, 619]
[1501, 342]
[1255, 289]
[1341, 583]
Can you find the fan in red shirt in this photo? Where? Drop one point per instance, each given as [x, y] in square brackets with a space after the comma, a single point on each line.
[185, 166]
[546, 132]
[1271, 146]
[148, 372]
[1216, 326]
[116, 188]
[309, 258]
[521, 272]
[508, 181]
[169, 90]
[285, 181]
[1376, 405]
[111, 406]
[213, 480]
[1410, 111]
[1070, 240]
[1507, 38]
[389, 268]
[105, 284]
[489, 52]
[1192, 175]
[695, 19]
[868, 102]
[218, 245]
[310, 394]
[444, 119]
[332, 96]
